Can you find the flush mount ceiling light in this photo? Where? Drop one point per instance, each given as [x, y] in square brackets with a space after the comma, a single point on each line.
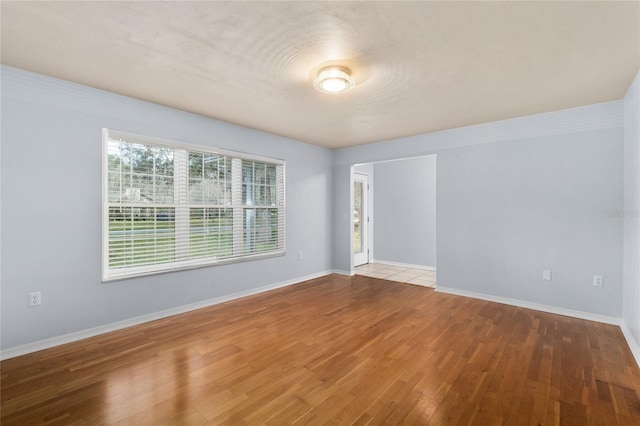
[333, 80]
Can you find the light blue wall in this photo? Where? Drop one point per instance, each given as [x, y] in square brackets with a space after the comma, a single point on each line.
[557, 173]
[405, 211]
[366, 169]
[631, 211]
[508, 210]
[51, 208]
[342, 257]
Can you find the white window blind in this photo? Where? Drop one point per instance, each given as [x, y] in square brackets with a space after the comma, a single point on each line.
[170, 206]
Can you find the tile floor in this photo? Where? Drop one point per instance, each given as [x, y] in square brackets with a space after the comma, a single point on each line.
[423, 277]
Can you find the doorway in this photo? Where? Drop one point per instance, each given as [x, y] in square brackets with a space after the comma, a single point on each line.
[360, 219]
[396, 235]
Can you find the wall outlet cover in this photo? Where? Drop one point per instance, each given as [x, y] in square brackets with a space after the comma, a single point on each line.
[35, 299]
[598, 281]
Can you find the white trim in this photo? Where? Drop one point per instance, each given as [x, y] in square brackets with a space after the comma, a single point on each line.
[433, 287]
[105, 204]
[628, 336]
[631, 341]
[342, 272]
[181, 204]
[170, 143]
[363, 257]
[404, 265]
[119, 325]
[147, 270]
[531, 305]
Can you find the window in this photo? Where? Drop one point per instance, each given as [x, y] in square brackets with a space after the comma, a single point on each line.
[170, 206]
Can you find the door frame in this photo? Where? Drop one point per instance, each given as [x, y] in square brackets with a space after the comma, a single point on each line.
[362, 257]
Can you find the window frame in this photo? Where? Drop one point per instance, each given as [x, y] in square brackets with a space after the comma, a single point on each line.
[184, 204]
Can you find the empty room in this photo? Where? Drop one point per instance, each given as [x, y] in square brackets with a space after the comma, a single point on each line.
[389, 212]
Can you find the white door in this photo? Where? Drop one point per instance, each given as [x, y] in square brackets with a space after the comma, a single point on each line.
[360, 219]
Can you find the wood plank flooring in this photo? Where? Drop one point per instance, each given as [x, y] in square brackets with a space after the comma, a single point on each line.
[335, 350]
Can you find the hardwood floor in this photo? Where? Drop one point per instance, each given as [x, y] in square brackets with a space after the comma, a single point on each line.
[335, 350]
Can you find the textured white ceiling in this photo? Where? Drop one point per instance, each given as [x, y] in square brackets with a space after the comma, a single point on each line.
[419, 66]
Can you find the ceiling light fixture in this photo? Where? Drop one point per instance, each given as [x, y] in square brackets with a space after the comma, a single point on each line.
[333, 80]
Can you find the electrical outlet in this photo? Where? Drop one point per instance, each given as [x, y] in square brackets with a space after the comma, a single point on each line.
[35, 299]
[299, 255]
[546, 275]
[598, 281]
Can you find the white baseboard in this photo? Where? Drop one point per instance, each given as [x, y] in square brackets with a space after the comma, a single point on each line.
[341, 272]
[404, 265]
[631, 341]
[633, 345]
[531, 305]
[423, 285]
[119, 325]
